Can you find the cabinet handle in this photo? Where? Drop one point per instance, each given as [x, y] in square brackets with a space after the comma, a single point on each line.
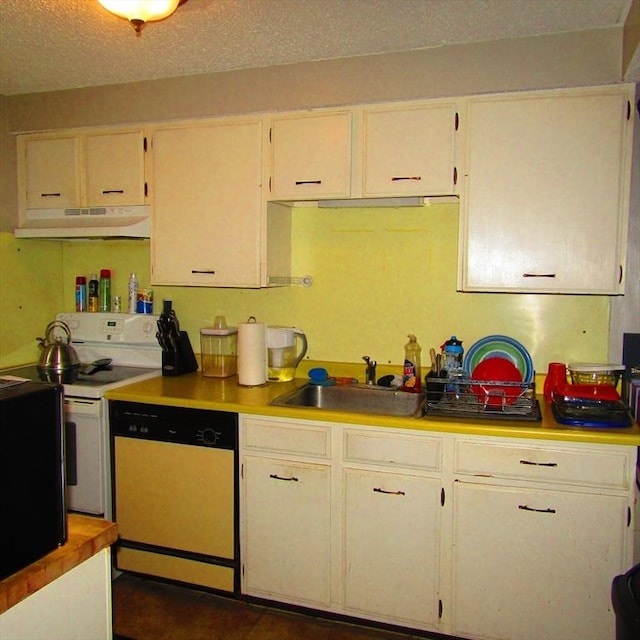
[398, 178]
[391, 493]
[539, 464]
[107, 191]
[538, 275]
[308, 182]
[455, 175]
[210, 271]
[50, 195]
[524, 507]
[275, 476]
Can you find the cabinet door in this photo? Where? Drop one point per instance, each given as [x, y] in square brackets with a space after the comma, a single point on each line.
[207, 221]
[391, 546]
[115, 168]
[311, 156]
[286, 524]
[409, 151]
[546, 197]
[52, 172]
[535, 564]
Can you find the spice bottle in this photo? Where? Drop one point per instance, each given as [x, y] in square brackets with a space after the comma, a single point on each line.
[105, 290]
[132, 293]
[411, 373]
[93, 292]
[81, 293]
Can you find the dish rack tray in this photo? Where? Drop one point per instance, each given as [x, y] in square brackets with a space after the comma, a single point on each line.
[468, 398]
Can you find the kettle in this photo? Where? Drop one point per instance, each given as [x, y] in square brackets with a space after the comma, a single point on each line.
[59, 361]
[282, 354]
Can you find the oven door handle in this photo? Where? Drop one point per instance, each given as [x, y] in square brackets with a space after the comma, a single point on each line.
[71, 456]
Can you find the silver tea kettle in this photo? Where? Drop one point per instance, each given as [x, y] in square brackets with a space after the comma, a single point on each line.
[59, 361]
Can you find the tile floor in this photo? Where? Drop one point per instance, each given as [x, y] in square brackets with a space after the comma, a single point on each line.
[150, 610]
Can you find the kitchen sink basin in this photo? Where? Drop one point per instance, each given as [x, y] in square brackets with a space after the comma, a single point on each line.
[357, 398]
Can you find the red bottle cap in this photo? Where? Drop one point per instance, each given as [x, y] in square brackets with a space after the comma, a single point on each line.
[81, 280]
[105, 273]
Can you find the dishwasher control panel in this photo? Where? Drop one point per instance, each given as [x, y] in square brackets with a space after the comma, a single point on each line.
[181, 425]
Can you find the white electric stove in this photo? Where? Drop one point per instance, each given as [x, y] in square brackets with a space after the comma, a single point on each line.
[129, 340]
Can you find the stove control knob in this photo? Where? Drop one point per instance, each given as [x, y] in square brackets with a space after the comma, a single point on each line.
[209, 437]
[71, 322]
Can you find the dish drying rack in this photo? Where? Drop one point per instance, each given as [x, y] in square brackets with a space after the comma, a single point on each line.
[463, 397]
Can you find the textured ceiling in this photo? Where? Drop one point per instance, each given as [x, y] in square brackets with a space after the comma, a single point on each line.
[47, 45]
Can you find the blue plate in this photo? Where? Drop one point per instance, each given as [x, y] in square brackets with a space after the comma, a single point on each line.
[499, 347]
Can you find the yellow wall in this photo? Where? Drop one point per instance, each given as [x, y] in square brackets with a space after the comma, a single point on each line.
[378, 274]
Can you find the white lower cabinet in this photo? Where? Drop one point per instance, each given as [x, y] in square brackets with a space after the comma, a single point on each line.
[287, 536]
[477, 537]
[391, 547]
[533, 564]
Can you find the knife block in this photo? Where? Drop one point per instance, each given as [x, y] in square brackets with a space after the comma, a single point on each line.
[180, 361]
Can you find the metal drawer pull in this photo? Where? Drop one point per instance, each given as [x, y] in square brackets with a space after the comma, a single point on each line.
[106, 191]
[395, 179]
[202, 271]
[538, 275]
[391, 493]
[308, 181]
[50, 195]
[539, 464]
[275, 476]
[525, 508]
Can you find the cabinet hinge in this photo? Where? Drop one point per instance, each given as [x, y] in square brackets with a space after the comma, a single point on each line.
[440, 609]
[442, 496]
[144, 144]
[457, 121]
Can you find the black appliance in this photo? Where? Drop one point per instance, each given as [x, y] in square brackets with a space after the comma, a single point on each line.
[32, 479]
[625, 597]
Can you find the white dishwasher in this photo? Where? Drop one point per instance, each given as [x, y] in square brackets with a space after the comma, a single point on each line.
[176, 493]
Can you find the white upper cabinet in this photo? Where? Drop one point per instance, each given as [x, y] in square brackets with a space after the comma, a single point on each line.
[207, 215]
[311, 156]
[105, 168]
[115, 168]
[409, 151]
[545, 200]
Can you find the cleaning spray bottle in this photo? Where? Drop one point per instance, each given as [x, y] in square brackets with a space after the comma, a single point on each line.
[411, 373]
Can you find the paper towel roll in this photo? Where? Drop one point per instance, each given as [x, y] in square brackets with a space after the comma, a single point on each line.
[252, 354]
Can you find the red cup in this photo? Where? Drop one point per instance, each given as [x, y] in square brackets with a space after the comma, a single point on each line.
[556, 376]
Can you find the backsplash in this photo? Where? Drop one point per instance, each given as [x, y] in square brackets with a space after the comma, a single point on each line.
[378, 275]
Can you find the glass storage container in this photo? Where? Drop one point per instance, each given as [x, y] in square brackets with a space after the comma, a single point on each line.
[219, 352]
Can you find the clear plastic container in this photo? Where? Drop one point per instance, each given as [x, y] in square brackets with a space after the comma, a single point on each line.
[219, 351]
[592, 373]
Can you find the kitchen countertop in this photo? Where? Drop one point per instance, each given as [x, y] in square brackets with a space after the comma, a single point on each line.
[86, 537]
[224, 394]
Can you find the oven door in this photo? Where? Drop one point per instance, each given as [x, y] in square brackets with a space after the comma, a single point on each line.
[85, 454]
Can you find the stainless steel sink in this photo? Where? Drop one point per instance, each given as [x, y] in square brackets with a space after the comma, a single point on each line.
[358, 398]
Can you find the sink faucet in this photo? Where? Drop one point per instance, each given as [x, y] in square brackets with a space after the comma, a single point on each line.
[370, 375]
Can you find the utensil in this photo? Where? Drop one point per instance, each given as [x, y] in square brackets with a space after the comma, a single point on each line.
[98, 365]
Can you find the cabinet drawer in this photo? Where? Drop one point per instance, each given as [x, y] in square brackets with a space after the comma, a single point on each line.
[393, 449]
[604, 467]
[286, 437]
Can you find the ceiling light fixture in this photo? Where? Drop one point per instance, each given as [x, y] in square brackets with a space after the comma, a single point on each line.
[139, 12]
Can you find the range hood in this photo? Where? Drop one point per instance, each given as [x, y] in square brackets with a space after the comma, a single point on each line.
[86, 222]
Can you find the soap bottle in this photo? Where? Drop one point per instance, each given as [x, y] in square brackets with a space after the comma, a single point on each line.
[93, 292]
[411, 373]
